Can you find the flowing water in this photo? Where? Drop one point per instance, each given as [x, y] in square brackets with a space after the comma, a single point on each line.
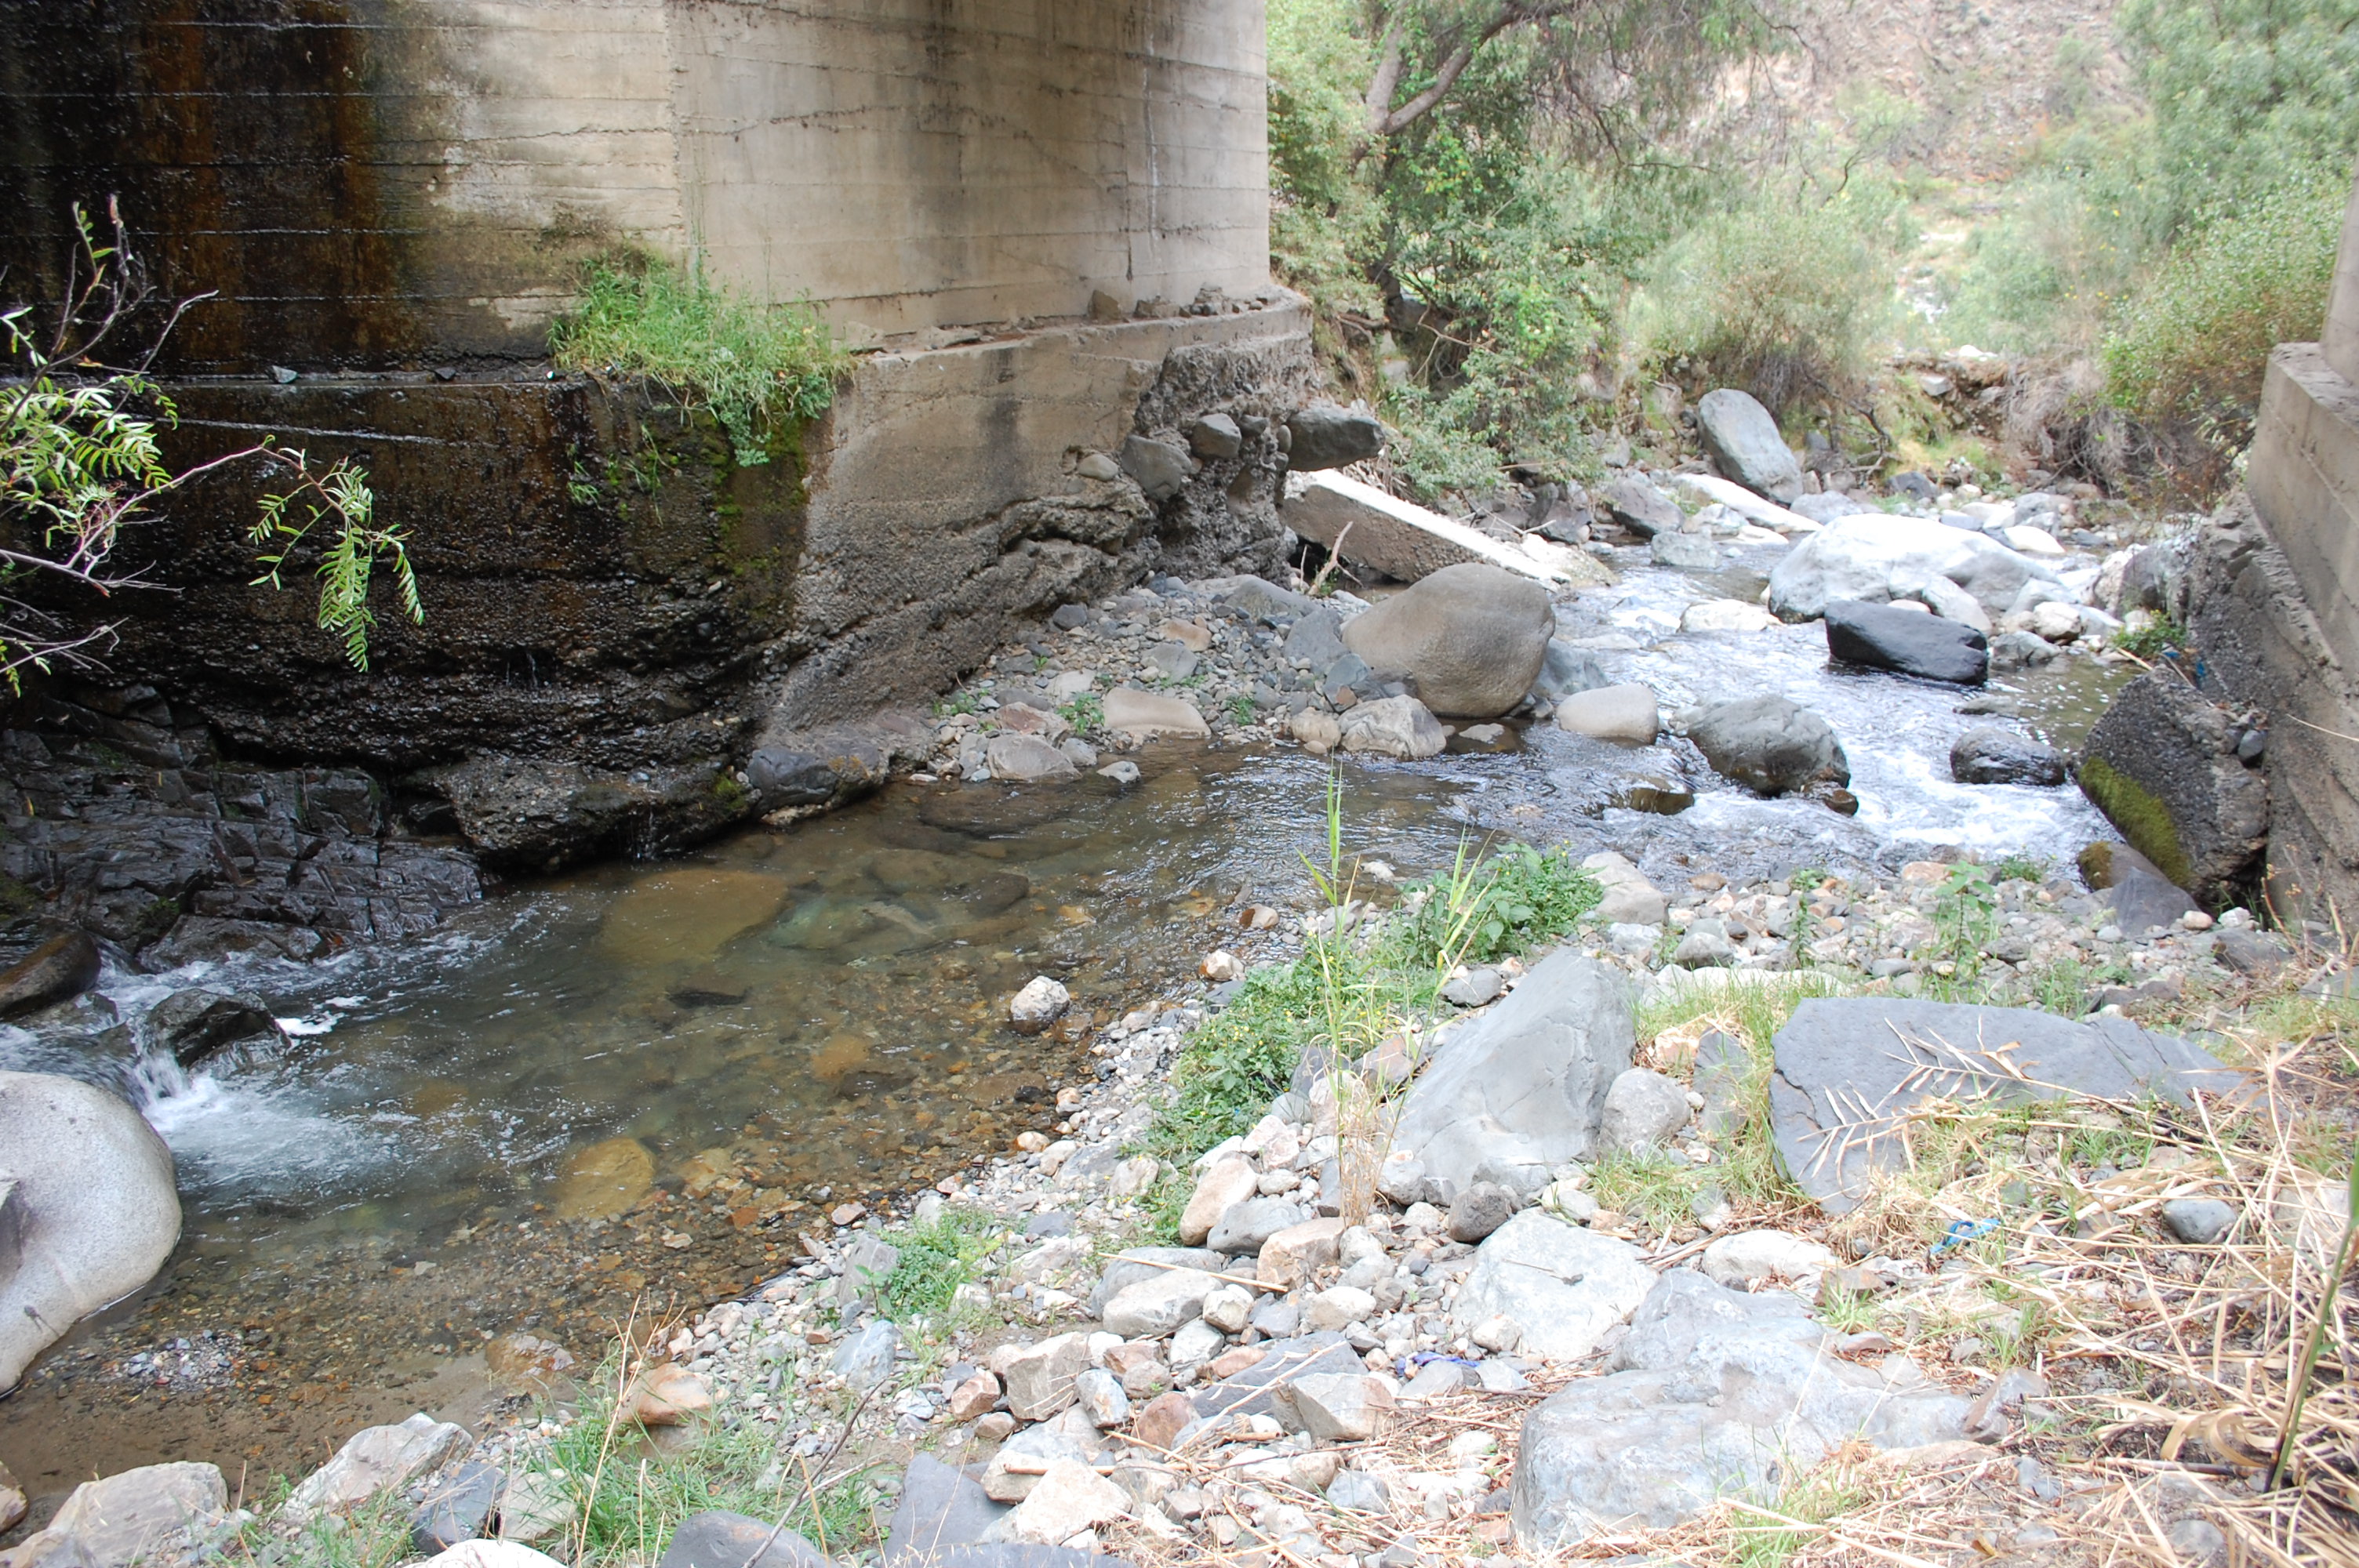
[636, 1084]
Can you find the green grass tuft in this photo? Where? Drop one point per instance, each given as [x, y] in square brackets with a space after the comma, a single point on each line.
[755, 366]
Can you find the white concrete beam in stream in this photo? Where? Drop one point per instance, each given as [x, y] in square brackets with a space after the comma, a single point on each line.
[1402, 539]
[1745, 504]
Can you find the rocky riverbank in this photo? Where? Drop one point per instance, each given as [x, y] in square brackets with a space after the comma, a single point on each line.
[1083, 1345]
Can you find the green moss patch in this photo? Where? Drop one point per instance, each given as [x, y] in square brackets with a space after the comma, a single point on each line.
[2144, 820]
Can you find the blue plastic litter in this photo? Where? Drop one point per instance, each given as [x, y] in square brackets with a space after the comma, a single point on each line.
[1962, 1231]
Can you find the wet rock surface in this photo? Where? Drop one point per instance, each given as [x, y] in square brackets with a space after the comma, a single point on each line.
[126, 824]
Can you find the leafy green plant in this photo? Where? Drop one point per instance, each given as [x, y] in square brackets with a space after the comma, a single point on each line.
[1084, 711]
[1492, 904]
[935, 1261]
[753, 365]
[81, 465]
[2020, 868]
[1783, 295]
[2153, 640]
[1966, 922]
[1241, 709]
[356, 543]
[2195, 338]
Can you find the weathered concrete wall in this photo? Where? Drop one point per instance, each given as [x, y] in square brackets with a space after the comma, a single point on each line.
[401, 183]
[2274, 604]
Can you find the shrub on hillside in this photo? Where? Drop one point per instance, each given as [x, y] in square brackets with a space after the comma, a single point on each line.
[2195, 341]
[1784, 297]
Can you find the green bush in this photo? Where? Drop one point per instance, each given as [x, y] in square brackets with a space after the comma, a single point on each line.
[1785, 296]
[2249, 97]
[752, 365]
[2195, 340]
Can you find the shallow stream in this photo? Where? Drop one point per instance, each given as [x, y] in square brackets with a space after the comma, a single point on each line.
[446, 1147]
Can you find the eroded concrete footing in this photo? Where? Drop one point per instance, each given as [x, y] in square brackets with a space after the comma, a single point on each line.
[620, 613]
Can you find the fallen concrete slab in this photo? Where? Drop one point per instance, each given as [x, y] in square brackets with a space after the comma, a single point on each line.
[1404, 540]
[1745, 504]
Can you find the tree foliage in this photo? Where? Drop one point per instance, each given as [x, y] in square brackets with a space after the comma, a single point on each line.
[2248, 97]
[81, 466]
[1465, 188]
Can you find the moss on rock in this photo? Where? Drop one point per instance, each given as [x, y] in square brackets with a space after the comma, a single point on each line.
[2144, 820]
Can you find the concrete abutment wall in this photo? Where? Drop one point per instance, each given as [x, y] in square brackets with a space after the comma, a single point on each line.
[394, 198]
[396, 183]
[2274, 604]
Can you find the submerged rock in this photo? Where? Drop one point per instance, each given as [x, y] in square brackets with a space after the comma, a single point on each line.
[191, 1025]
[1987, 754]
[1770, 745]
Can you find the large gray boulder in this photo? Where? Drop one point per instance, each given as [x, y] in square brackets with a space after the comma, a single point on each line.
[1518, 1091]
[1850, 1069]
[1473, 637]
[157, 1516]
[2162, 764]
[1745, 444]
[86, 1187]
[1770, 745]
[1713, 1394]
[1879, 559]
[1562, 1286]
[1906, 642]
[1634, 501]
[1325, 436]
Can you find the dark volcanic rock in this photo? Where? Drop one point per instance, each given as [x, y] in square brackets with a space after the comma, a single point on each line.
[1325, 436]
[1987, 754]
[127, 823]
[192, 1025]
[1908, 642]
[59, 969]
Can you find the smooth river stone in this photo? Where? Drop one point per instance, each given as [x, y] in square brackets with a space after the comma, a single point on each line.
[604, 1179]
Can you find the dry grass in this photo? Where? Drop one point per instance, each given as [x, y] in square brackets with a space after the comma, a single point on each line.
[2170, 1369]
